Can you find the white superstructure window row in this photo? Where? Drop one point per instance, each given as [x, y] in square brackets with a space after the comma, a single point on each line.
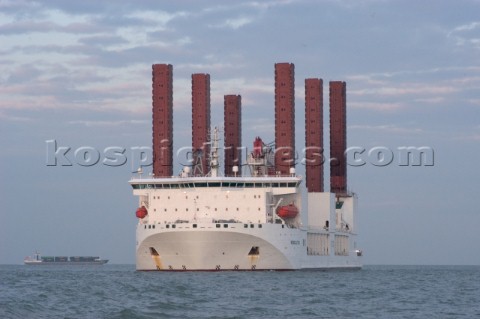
[187, 185]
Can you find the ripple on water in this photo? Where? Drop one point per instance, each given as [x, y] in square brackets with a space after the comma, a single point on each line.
[116, 291]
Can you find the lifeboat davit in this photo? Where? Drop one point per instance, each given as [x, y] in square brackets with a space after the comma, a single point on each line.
[288, 211]
[141, 212]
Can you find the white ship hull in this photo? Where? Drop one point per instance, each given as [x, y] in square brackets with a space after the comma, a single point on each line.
[232, 246]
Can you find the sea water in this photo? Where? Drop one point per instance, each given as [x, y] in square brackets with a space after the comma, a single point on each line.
[118, 291]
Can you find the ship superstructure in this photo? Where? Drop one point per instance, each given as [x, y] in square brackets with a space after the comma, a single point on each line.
[227, 220]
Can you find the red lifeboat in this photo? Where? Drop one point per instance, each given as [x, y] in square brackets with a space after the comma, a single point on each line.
[141, 212]
[287, 211]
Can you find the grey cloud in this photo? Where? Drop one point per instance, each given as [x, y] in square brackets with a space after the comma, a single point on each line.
[21, 27]
[109, 123]
[57, 82]
[102, 40]
[121, 21]
[25, 27]
[23, 73]
[78, 7]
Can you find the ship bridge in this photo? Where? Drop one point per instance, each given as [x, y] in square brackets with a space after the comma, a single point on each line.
[229, 182]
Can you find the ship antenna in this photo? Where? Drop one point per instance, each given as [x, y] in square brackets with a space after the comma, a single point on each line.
[214, 163]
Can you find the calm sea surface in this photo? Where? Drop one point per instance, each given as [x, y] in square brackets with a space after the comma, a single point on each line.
[118, 291]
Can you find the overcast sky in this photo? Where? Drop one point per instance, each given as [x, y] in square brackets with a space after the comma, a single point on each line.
[79, 72]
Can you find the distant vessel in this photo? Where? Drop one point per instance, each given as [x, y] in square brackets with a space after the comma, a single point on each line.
[63, 260]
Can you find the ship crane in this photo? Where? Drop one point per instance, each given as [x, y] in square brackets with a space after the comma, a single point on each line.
[214, 162]
[198, 155]
[260, 159]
